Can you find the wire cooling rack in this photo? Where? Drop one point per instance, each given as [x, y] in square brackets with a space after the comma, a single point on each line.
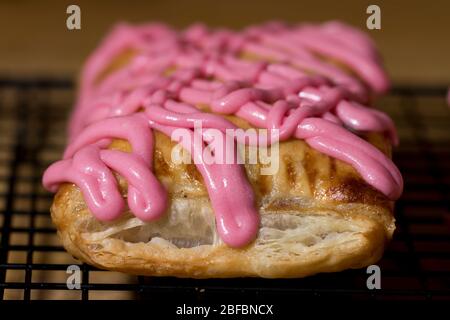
[33, 264]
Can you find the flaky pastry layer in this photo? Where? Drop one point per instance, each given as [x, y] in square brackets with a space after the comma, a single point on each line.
[317, 216]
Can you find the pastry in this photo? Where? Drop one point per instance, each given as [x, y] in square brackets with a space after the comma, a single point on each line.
[124, 202]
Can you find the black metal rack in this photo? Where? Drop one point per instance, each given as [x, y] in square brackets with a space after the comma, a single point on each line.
[33, 264]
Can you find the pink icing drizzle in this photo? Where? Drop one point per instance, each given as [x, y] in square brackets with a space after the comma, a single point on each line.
[275, 95]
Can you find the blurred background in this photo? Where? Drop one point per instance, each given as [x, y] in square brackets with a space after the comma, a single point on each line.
[414, 38]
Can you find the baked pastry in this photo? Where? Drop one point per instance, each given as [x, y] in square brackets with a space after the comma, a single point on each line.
[328, 206]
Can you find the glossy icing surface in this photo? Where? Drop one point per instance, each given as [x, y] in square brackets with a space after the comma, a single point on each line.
[281, 78]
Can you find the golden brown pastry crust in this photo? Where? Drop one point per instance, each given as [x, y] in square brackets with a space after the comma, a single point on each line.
[318, 215]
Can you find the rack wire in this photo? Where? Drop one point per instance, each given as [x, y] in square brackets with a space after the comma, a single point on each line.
[33, 264]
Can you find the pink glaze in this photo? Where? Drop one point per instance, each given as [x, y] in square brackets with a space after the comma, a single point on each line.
[326, 110]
